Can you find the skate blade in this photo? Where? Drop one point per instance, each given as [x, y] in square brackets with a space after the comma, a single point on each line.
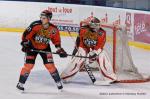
[20, 91]
[60, 90]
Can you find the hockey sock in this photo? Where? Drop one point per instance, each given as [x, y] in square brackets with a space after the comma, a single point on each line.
[23, 78]
[56, 76]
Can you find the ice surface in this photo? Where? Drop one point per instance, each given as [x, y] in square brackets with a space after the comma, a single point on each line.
[41, 85]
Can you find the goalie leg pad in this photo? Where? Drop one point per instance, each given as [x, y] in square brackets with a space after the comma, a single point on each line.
[106, 67]
[74, 66]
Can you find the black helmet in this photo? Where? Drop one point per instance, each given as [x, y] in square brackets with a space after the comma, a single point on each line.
[46, 13]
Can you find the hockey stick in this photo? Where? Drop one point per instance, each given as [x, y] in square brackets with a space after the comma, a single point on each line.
[40, 51]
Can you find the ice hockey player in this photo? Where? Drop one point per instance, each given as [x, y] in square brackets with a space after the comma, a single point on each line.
[90, 42]
[37, 36]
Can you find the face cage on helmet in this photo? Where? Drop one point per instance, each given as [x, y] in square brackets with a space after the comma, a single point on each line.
[95, 25]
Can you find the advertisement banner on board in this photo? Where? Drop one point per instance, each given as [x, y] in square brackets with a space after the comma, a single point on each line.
[142, 28]
[65, 17]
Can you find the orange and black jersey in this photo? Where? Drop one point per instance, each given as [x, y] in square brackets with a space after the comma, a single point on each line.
[40, 37]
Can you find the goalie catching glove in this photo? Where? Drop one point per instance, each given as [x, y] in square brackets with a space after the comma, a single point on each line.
[62, 53]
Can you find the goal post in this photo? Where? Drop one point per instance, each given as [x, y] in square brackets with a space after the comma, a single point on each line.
[119, 52]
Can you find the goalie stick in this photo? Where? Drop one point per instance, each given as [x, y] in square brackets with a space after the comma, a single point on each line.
[90, 73]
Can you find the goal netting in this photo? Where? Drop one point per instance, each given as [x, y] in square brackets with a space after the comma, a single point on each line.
[119, 52]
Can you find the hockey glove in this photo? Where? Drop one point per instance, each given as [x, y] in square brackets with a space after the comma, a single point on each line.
[26, 46]
[92, 56]
[61, 52]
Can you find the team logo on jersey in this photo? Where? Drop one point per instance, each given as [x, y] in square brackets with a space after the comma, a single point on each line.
[90, 38]
[90, 42]
[42, 36]
[41, 39]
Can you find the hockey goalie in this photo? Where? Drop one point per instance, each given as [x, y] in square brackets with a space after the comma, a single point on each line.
[90, 43]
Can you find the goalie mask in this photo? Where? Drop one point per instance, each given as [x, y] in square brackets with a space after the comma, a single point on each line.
[94, 24]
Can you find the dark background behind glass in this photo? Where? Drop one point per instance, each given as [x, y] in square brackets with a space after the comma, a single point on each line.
[128, 4]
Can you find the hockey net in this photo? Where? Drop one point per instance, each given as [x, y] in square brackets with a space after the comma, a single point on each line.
[119, 52]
